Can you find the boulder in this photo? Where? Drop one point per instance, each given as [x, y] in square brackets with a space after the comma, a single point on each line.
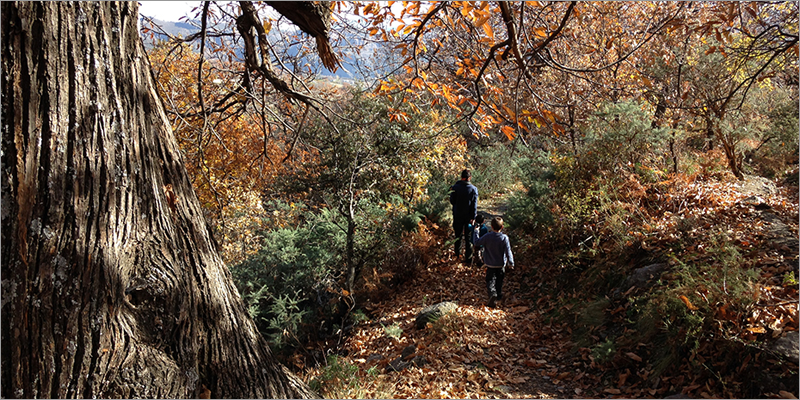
[434, 312]
[503, 389]
[788, 346]
[399, 364]
[408, 352]
[374, 357]
[419, 361]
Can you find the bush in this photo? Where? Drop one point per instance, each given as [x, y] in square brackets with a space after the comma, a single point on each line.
[285, 323]
[777, 145]
[340, 379]
[496, 168]
[435, 206]
[293, 272]
[393, 331]
[700, 302]
[620, 138]
[531, 209]
[297, 279]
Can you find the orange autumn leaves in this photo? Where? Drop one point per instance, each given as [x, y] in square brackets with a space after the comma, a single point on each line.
[230, 153]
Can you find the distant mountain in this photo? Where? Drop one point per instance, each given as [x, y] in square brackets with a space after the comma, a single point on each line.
[350, 60]
[173, 28]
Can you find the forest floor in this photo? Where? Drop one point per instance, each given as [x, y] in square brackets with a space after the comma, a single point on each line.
[514, 350]
[508, 351]
[477, 351]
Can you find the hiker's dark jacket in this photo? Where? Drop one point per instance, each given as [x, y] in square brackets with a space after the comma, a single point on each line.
[464, 199]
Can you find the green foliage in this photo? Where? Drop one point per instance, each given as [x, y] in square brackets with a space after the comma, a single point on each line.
[336, 376]
[532, 208]
[393, 331]
[358, 316]
[436, 205]
[681, 314]
[776, 133]
[719, 279]
[294, 267]
[605, 351]
[285, 323]
[789, 279]
[496, 167]
[620, 138]
[340, 379]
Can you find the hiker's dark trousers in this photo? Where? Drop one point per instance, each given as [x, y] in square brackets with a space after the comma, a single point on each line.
[494, 281]
[463, 233]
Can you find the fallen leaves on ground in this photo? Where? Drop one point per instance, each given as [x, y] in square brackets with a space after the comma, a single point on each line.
[477, 351]
[518, 350]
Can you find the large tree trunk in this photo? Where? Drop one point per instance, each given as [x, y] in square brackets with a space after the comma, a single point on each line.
[111, 284]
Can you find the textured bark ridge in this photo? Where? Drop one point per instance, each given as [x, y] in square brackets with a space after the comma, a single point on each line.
[111, 285]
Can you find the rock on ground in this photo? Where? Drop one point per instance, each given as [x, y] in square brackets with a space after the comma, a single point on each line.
[434, 312]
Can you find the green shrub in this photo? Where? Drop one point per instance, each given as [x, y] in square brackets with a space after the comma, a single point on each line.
[393, 331]
[340, 379]
[777, 138]
[620, 137]
[436, 206]
[285, 323]
[337, 376]
[292, 274]
[358, 316]
[496, 167]
[532, 207]
[685, 308]
[605, 351]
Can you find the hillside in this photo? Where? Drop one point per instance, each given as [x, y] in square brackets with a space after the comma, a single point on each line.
[553, 338]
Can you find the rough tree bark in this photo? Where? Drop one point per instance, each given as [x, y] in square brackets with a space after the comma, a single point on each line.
[111, 284]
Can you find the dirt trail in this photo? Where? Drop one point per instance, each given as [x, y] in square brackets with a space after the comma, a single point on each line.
[513, 350]
[503, 352]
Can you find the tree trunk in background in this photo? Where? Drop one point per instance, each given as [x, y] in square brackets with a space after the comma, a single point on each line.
[111, 285]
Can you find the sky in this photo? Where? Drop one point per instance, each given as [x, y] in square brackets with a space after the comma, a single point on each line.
[167, 10]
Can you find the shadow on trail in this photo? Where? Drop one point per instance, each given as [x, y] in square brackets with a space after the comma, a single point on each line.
[476, 351]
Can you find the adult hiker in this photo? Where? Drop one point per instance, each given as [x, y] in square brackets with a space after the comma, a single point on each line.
[496, 255]
[464, 198]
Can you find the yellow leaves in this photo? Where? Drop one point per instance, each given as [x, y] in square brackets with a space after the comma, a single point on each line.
[540, 32]
[267, 26]
[757, 329]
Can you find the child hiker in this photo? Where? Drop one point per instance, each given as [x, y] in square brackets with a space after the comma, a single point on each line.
[482, 230]
[497, 253]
